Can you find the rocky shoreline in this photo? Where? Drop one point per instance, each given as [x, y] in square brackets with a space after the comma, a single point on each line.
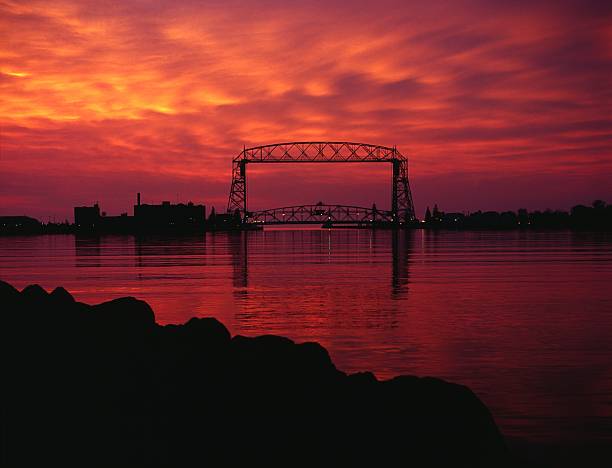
[104, 385]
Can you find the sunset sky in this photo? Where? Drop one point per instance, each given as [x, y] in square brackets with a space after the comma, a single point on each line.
[497, 104]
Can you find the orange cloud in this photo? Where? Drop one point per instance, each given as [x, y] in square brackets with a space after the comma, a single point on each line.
[95, 93]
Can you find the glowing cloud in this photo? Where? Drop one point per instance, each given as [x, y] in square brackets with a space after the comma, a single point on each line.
[497, 104]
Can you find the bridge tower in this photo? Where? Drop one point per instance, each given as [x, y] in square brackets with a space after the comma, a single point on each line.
[402, 206]
[238, 192]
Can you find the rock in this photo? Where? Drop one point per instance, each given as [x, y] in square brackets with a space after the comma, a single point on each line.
[105, 385]
[313, 360]
[8, 294]
[34, 292]
[61, 296]
[125, 313]
[206, 331]
[362, 378]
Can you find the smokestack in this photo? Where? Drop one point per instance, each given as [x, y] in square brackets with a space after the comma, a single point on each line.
[138, 199]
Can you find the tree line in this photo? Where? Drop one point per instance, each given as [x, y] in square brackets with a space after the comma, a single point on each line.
[598, 216]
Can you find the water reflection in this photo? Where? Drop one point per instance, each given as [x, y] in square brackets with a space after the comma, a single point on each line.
[162, 251]
[325, 285]
[523, 318]
[240, 262]
[402, 245]
[87, 250]
[323, 246]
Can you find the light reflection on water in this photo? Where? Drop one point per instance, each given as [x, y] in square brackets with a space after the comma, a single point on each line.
[522, 318]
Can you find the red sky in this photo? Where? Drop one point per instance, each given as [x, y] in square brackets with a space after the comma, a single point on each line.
[498, 105]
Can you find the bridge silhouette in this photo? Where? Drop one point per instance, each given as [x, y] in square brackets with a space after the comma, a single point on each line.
[402, 207]
[321, 214]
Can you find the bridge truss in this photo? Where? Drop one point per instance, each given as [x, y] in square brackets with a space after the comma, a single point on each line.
[402, 207]
[321, 214]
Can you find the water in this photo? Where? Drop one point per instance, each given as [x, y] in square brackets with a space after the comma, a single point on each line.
[523, 318]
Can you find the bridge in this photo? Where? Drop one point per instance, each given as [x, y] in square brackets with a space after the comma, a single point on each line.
[402, 207]
[321, 214]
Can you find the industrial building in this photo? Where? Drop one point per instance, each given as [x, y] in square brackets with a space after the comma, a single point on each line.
[165, 217]
[87, 217]
[168, 216]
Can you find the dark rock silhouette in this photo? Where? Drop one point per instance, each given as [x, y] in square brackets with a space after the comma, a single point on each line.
[105, 385]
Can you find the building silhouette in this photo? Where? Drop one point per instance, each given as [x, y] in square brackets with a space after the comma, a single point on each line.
[87, 217]
[165, 217]
[168, 216]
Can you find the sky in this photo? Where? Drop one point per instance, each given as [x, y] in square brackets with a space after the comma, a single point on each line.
[496, 104]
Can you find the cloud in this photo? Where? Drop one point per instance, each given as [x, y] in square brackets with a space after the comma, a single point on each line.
[172, 90]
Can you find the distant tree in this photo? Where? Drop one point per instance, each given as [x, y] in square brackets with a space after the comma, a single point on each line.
[427, 215]
[579, 210]
[599, 204]
[213, 214]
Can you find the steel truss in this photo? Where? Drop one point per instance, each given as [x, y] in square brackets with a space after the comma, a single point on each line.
[321, 214]
[402, 207]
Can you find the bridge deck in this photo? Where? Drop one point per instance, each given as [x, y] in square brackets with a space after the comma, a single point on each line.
[321, 214]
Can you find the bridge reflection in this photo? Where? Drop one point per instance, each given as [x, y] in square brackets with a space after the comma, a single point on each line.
[332, 247]
[260, 265]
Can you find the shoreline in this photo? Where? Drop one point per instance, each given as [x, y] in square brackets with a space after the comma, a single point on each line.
[89, 234]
